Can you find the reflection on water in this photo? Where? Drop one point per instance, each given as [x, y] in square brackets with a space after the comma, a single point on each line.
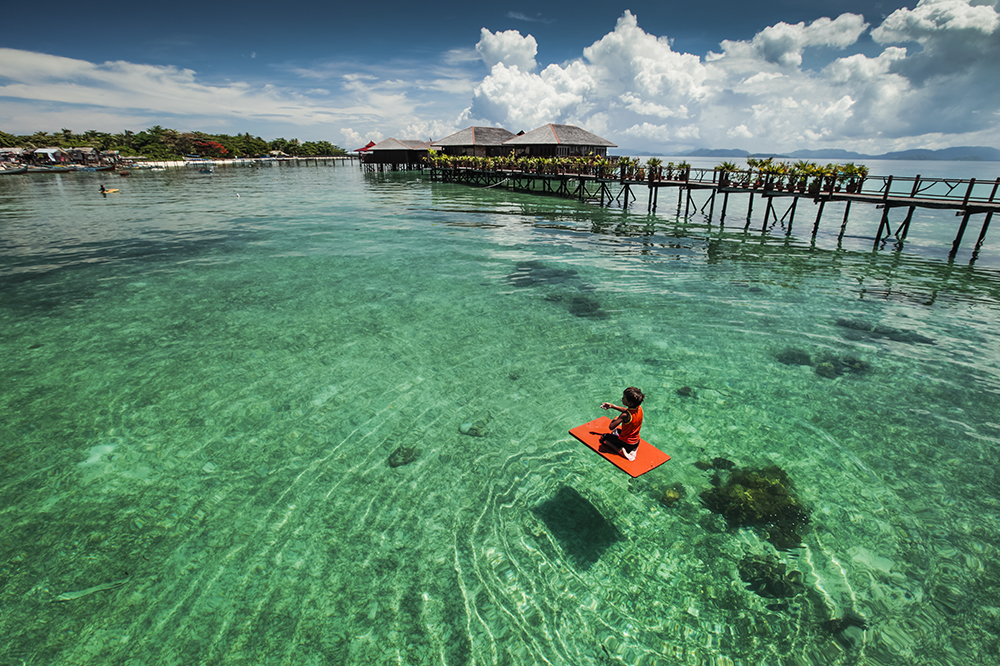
[326, 422]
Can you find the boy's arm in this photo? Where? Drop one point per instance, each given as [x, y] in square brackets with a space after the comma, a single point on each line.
[619, 420]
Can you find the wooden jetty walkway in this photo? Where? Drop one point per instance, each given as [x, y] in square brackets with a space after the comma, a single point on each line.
[967, 197]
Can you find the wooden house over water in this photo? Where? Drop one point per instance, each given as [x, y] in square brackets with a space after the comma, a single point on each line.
[47, 156]
[476, 142]
[396, 154]
[85, 155]
[558, 141]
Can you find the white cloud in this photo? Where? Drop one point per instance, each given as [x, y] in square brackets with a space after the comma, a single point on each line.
[931, 17]
[759, 91]
[354, 140]
[508, 47]
[782, 44]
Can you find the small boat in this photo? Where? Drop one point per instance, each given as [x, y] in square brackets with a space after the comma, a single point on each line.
[10, 170]
[54, 168]
[108, 167]
[205, 170]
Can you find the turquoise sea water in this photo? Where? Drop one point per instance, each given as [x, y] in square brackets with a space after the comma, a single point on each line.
[203, 393]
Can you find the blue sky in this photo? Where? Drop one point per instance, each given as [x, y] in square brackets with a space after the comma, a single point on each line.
[660, 76]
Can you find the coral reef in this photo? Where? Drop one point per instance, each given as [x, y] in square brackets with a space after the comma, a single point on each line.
[672, 494]
[762, 499]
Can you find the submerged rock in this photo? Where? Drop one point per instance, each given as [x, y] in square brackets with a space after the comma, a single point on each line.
[686, 392]
[848, 630]
[722, 463]
[403, 455]
[770, 578]
[832, 367]
[793, 356]
[533, 273]
[586, 307]
[473, 429]
[715, 463]
[878, 331]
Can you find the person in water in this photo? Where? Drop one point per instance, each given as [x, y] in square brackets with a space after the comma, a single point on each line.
[624, 434]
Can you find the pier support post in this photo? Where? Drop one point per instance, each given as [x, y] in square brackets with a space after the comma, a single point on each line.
[883, 223]
[961, 232]
[791, 215]
[767, 213]
[965, 220]
[819, 214]
[843, 225]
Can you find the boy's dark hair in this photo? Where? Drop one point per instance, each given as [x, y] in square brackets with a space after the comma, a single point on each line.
[634, 396]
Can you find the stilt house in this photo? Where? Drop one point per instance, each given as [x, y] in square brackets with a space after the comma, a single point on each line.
[476, 142]
[558, 141]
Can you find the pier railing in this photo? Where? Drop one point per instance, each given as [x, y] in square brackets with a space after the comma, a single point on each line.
[609, 181]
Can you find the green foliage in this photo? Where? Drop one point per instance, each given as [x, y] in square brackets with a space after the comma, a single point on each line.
[162, 143]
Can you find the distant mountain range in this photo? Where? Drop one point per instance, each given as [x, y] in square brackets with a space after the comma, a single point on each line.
[961, 153]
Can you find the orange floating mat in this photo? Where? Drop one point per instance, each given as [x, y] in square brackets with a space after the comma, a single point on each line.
[647, 456]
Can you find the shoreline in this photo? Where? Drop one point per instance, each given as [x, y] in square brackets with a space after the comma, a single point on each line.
[239, 161]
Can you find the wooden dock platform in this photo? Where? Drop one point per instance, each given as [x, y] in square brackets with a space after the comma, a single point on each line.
[967, 197]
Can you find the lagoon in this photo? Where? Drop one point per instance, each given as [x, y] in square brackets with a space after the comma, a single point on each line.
[204, 392]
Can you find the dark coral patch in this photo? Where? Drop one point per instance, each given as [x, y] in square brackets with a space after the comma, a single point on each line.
[403, 455]
[770, 578]
[762, 499]
[793, 356]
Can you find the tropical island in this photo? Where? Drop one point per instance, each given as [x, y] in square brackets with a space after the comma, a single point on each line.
[167, 144]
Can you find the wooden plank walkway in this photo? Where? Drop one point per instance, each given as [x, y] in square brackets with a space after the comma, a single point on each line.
[965, 197]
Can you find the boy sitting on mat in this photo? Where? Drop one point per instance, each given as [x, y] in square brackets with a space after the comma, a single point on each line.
[624, 434]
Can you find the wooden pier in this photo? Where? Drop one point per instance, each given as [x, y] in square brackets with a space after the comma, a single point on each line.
[967, 198]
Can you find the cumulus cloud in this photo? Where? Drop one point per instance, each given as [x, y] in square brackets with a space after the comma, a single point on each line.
[758, 91]
[782, 44]
[509, 48]
[932, 17]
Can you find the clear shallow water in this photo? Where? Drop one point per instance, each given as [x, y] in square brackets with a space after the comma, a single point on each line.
[202, 393]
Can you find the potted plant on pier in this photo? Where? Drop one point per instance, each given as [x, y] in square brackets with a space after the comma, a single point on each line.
[724, 170]
[653, 166]
[801, 173]
[855, 175]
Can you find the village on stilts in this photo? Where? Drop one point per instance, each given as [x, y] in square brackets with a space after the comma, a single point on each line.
[567, 161]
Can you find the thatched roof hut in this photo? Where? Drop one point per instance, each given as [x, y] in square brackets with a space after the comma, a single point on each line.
[475, 141]
[397, 152]
[559, 141]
